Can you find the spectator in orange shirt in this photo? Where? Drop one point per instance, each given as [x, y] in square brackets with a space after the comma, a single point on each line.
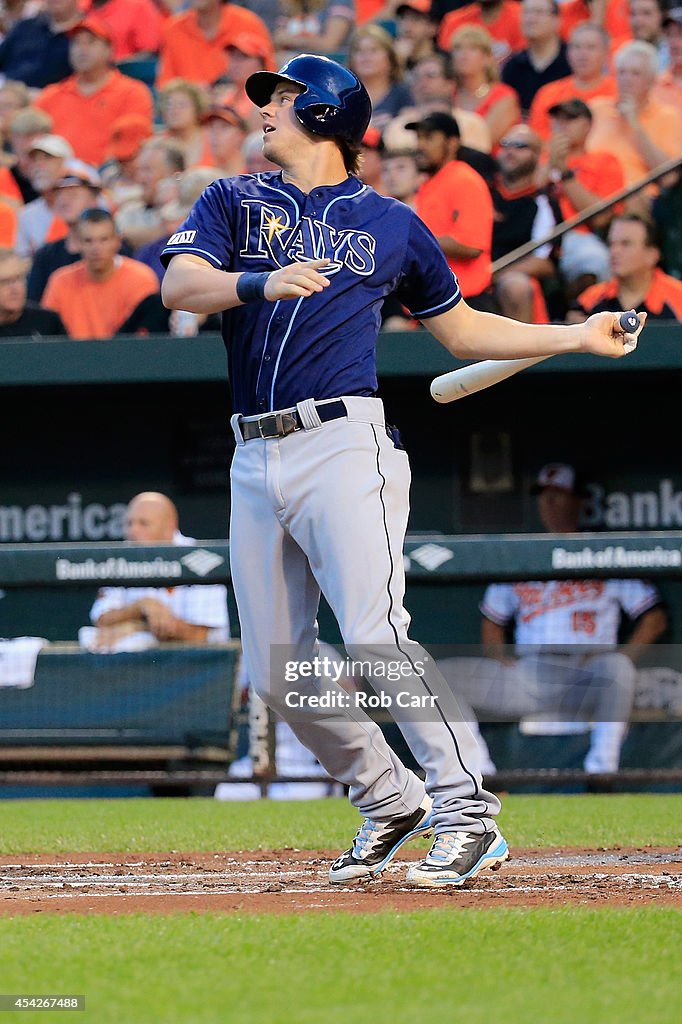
[637, 281]
[642, 133]
[668, 87]
[8, 225]
[611, 15]
[588, 53]
[501, 18]
[226, 134]
[454, 202]
[183, 106]
[96, 295]
[135, 26]
[479, 88]
[38, 222]
[194, 43]
[578, 179]
[415, 31]
[85, 106]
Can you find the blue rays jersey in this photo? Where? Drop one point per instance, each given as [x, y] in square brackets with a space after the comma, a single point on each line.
[322, 346]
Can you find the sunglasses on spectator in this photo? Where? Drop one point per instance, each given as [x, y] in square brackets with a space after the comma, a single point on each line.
[514, 144]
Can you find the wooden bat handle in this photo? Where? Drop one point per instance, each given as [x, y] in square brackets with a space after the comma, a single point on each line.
[467, 380]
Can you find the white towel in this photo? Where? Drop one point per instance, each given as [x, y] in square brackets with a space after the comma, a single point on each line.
[18, 659]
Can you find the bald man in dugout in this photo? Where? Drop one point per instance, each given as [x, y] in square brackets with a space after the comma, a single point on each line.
[152, 518]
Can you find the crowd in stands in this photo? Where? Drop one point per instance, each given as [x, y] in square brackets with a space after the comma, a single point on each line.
[497, 120]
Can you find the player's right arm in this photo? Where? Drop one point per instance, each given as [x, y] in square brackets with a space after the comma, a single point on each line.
[193, 284]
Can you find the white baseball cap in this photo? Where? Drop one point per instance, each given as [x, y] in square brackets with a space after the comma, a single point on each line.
[53, 145]
[559, 475]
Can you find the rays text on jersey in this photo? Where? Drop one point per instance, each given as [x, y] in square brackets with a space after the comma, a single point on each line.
[268, 232]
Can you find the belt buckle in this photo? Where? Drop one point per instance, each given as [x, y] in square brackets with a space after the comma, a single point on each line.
[271, 420]
[277, 424]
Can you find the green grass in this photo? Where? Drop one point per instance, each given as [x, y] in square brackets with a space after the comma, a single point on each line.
[135, 826]
[552, 966]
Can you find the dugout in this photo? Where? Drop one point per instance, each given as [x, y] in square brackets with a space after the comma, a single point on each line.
[136, 414]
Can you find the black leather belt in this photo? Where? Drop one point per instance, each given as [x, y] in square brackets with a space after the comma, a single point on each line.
[279, 424]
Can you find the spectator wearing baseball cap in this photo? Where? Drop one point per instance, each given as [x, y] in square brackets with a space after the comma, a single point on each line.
[38, 222]
[247, 53]
[77, 190]
[479, 88]
[587, 53]
[194, 44]
[135, 26]
[454, 202]
[86, 105]
[128, 135]
[226, 134]
[24, 128]
[36, 50]
[183, 106]
[415, 31]
[561, 477]
[99, 292]
[578, 179]
[668, 87]
[317, 26]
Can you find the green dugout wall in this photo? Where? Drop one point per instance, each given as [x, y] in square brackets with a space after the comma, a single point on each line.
[87, 425]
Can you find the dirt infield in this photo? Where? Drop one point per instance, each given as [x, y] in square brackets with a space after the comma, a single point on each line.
[289, 880]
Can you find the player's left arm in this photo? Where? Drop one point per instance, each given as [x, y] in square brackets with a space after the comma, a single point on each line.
[649, 628]
[194, 284]
[470, 334]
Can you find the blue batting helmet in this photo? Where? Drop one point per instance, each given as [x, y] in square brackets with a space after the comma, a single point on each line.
[334, 102]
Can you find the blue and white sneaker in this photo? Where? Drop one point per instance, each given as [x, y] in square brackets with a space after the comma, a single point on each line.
[377, 843]
[455, 857]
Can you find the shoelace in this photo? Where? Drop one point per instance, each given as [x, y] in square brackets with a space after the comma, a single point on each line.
[367, 833]
[449, 845]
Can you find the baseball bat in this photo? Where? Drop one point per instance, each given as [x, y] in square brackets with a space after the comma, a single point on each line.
[467, 380]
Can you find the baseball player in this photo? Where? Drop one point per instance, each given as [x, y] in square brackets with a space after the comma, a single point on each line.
[300, 261]
[567, 662]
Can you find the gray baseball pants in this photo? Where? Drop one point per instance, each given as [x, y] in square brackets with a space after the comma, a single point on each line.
[324, 510]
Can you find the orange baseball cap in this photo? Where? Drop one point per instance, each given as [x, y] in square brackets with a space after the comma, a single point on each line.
[227, 114]
[372, 138]
[422, 6]
[251, 44]
[96, 26]
[127, 135]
